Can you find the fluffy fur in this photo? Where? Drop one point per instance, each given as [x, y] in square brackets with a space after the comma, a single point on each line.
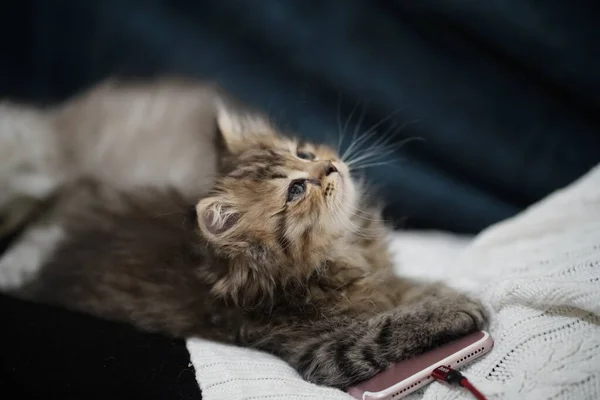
[123, 134]
[301, 272]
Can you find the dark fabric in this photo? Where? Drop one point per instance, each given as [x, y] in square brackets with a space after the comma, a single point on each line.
[50, 353]
[505, 93]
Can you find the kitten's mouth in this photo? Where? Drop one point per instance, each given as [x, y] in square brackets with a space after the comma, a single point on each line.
[340, 187]
[340, 179]
[347, 192]
[342, 170]
[337, 186]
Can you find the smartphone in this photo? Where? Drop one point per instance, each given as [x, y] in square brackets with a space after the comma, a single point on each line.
[407, 376]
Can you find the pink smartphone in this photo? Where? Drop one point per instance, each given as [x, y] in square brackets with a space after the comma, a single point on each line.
[407, 376]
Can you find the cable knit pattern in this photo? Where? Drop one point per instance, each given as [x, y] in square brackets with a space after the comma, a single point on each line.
[539, 273]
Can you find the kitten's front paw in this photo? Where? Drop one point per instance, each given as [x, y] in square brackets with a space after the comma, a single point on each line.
[471, 311]
[453, 315]
[31, 166]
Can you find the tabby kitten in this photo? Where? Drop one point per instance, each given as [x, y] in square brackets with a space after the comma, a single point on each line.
[284, 253]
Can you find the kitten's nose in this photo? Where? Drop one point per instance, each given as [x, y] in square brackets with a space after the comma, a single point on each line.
[330, 168]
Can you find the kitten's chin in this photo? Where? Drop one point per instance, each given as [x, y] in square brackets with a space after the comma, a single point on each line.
[347, 195]
[350, 187]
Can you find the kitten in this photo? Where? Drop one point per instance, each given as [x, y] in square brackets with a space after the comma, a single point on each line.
[284, 253]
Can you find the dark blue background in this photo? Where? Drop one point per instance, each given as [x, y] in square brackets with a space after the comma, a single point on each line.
[503, 92]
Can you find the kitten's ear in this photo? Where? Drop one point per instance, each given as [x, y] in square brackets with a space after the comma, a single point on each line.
[216, 218]
[239, 129]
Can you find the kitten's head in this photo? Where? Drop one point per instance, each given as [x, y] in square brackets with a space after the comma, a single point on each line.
[279, 205]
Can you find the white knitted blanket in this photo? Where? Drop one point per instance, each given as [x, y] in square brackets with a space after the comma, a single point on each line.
[538, 272]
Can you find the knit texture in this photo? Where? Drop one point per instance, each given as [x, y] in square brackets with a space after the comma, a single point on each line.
[539, 274]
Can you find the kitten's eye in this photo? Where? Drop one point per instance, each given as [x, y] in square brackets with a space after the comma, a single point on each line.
[305, 155]
[296, 190]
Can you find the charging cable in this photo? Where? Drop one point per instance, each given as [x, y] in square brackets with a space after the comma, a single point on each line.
[453, 377]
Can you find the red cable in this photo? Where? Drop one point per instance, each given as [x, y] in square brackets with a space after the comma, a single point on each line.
[464, 382]
[453, 377]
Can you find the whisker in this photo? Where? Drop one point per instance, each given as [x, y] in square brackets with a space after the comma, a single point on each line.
[357, 211]
[389, 134]
[350, 116]
[355, 229]
[345, 129]
[374, 154]
[370, 132]
[348, 226]
[356, 130]
[358, 126]
[354, 146]
[339, 123]
[384, 141]
[356, 214]
[371, 165]
[395, 131]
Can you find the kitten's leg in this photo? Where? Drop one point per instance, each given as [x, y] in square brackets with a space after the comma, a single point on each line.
[21, 262]
[36, 245]
[30, 163]
[342, 351]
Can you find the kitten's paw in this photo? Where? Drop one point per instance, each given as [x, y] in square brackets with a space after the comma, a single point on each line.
[30, 164]
[455, 315]
[22, 261]
[445, 302]
[470, 310]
